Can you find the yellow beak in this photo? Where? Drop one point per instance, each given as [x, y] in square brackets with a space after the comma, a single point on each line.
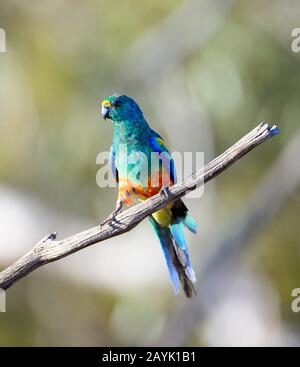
[105, 109]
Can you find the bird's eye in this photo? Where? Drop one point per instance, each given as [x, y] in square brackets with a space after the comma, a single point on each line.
[117, 104]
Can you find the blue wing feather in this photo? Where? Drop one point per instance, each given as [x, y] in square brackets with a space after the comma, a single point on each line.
[112, 159]
[158, 145]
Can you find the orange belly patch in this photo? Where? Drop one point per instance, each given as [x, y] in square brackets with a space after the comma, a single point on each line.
[129, 189]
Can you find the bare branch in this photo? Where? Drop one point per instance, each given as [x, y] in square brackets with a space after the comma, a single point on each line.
[49, 249]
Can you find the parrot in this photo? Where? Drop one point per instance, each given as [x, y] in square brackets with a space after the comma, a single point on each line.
[133, 138]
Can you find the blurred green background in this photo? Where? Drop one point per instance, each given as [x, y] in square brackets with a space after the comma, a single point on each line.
[205, 73]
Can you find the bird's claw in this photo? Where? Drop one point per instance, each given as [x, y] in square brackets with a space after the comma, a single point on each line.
[112, 216]
[165, 191]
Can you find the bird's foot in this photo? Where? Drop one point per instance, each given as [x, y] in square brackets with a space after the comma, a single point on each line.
[112, 217]
[165, 191]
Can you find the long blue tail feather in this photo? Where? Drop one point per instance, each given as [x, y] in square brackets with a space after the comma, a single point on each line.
[178, 235]
[190, 223]
[177, 257]
[166, 244]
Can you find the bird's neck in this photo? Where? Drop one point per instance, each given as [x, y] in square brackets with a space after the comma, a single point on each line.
[130, 131]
